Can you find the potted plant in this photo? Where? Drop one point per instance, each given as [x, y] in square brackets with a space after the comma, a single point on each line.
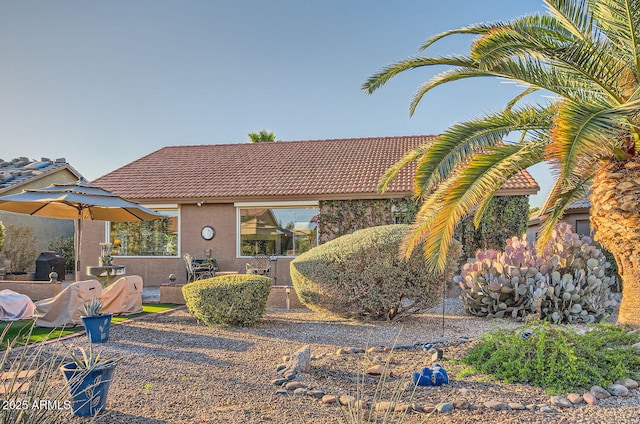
[95, 322]
[88, 377]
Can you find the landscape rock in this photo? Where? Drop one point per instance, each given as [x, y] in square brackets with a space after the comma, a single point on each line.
[599, 392]
[300, 361]
[300, 391]
[590, 399]
[329, 399]
[346, 400]
[496, 405]
[403, 407]
[517, 406]
[575, 398]
[629, 383]
[279, 381]
[316, 393]
[618, 390]
[418, 407]
[383, 406]
[444, 407]
[379, 370]
[560, 401]
[461, 404]
[293, 385]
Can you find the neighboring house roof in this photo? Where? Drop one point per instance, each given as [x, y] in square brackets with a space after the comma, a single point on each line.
[319, 169]
[22, 173]
[583, 203]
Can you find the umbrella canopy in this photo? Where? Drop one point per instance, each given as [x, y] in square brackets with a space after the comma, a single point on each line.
[78, 200]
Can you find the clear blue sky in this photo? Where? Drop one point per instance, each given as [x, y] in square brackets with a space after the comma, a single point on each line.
[102, 83]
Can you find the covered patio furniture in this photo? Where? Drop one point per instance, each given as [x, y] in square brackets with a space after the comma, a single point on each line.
[198, 271]
[15, 306]
[65, 308]
[260, 265]
[124, 297]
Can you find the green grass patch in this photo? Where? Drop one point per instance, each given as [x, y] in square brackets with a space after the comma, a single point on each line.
[19, 330]
[557, 358]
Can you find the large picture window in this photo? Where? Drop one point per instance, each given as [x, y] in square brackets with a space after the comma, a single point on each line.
[277, 231]
[146, 238]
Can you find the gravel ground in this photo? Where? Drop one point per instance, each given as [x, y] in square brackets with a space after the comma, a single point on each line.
[176, 370]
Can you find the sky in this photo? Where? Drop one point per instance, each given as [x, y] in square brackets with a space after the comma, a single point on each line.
[103, 83]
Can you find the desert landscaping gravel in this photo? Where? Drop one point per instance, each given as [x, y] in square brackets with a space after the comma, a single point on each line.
[178, 370]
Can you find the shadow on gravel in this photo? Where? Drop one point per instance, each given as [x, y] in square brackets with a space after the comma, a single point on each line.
[110, 417]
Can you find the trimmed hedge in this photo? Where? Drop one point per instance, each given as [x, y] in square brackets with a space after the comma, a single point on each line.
[360, 275]
[237, 300]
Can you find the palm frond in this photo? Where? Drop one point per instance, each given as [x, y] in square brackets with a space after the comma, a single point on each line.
[380, 78]
[620, 20]
[477, 29]
[521, 156]
[573, 15]
[515, 100]
[584, 130]
[467, 188]
[452, 148]
[392, 172]
[559, 200]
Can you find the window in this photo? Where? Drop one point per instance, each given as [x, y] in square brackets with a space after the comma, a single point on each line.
[146, 238]
[582, 227]
[285, 230]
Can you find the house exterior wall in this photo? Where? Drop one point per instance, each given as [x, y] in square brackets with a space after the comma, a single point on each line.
[155, 271]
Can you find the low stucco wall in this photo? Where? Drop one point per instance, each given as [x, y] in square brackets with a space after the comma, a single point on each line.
[36, 290]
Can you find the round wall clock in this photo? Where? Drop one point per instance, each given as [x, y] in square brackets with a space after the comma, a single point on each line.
[208, 232]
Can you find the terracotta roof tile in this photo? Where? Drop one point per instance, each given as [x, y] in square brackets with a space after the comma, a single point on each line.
[314, 168]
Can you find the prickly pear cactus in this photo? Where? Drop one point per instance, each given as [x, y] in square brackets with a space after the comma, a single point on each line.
[566, 282]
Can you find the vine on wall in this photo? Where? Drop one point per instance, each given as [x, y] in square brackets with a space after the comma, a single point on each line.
[340, 217]
[506, 216]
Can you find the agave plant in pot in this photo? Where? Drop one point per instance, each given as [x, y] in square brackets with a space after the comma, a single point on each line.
[88, 377]
[95, 322]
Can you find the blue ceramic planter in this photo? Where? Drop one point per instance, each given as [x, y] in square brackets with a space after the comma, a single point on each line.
[97, 327]
[431, 377]
[88, 389]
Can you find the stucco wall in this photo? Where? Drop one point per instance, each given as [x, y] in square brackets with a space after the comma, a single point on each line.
[155, 271]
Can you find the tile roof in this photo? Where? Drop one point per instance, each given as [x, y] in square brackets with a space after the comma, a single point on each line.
[21, 170]
[323, 169]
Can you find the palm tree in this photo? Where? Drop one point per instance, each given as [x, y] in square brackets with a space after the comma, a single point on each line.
[586, 54]
[261, 136]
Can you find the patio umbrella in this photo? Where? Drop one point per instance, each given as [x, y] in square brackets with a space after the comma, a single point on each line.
[78, 200]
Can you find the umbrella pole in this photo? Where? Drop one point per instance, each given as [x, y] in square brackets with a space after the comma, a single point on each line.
[78, 244]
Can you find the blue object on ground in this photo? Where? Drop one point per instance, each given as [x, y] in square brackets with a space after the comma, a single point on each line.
[526, 334]
[431, 377]
[427, 346]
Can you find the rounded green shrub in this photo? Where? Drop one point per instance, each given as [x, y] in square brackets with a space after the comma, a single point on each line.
[361, 275]
[238, 300]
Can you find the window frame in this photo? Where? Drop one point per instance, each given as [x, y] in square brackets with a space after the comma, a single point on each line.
[270, 205]
[157, 208]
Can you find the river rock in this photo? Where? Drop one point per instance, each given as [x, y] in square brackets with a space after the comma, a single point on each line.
[329, 399]
[575, 398]
[444, 407]
[629, 383]
[599, 392]
[618, 390]
[496, 405]
[590, 399]
[560, 401]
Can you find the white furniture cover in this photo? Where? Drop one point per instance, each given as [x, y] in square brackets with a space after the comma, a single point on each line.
[123, 297]
[15, 306]
[65, 308]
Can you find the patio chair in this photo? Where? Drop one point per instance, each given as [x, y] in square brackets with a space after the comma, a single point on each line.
[65, 308]
[124, 297]
[197, 271]
[260, 265]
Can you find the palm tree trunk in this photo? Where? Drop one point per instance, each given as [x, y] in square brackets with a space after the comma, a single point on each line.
[615, 218]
